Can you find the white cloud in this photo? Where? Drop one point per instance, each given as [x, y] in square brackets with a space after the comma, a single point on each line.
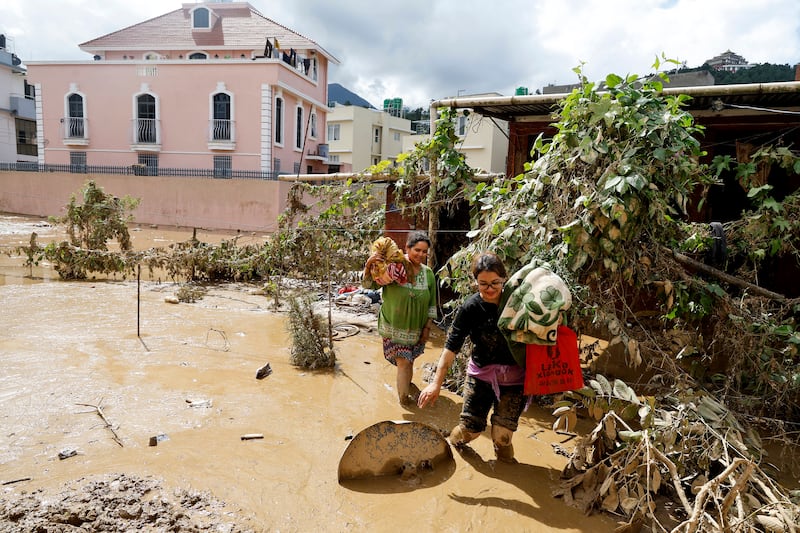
[420, 50]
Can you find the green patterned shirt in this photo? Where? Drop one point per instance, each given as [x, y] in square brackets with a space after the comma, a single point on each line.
[406, 308]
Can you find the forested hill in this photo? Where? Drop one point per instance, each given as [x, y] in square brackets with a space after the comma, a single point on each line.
[340, 95]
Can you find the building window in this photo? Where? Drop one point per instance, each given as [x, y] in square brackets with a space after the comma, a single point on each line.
[221, 122]
[279, 121]
[397, 136]
[377, 136]
[296, 168]
[298, 136]
[333, 132]
[75, 127]
[222, 166]
[333, 159]
[77, 162]
[26, 137]
[198, 55]
[200, 18]
[462, 126]
[146, 119]
[276, 166]
[149, 164]
[313, 132]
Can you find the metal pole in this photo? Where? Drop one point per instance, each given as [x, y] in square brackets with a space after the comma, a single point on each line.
[138, 296]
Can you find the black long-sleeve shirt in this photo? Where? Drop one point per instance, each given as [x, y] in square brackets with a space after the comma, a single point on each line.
[477, 320]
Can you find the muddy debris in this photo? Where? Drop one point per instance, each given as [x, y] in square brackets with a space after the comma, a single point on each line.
[117, 503]
[264, 371]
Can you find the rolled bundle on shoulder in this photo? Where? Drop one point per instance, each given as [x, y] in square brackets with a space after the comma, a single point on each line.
[386, 264]
[532, 311]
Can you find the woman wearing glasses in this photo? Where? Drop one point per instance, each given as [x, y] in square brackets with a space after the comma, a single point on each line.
[494, 379]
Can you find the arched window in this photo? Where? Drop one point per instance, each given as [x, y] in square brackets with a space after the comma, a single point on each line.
[279, 120]
[76, 126]
[146, 131]
[200, 18]
[222, 125]
[198, 55]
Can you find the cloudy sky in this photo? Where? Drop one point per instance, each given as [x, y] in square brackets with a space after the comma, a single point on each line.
[421, 50]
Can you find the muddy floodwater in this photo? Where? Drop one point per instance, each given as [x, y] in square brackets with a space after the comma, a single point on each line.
[99, 370]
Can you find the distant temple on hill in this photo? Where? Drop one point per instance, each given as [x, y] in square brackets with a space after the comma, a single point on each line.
[728, 61]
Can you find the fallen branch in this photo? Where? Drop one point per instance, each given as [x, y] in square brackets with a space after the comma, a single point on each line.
[693, 522]
[12, 481]
[676, 478]
[727, 278]
[735, 493]
[99, 411]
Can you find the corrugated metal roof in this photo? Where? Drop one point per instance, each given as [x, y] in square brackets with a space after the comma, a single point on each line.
[762, 97]
[239, 26]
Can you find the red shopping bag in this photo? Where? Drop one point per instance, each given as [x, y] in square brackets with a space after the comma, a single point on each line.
[551, 369]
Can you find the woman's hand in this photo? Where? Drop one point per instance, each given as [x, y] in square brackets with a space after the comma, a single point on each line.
[372, 259]
[376, 268]
[428, 395]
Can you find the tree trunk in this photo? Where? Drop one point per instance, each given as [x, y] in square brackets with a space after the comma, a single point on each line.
[433, 220]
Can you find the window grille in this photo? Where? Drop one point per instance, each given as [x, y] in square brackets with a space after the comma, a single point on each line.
[77, 162]
[222, 166]
[148, 164]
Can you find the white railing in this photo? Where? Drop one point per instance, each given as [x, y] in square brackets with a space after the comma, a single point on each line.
[145, 131]
[221, 130]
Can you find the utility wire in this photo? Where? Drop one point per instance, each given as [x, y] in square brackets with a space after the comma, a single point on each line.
[753, 108]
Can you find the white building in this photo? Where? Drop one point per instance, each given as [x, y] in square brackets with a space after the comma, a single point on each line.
[484, 140]
[359, 137]
[17, 110]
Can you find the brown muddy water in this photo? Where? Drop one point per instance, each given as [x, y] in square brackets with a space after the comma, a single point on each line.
[188, 376]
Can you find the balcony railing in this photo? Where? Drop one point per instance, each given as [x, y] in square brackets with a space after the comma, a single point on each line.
[24, 107]
[320, 154]
[145, 131]
[75, 130]
[221, 130]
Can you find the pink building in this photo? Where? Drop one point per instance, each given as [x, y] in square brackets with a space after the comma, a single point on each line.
[215, 86]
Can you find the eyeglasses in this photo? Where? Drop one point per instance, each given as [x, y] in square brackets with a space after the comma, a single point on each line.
[496, 284]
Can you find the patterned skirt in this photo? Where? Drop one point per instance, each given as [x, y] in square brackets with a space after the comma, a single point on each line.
[392, 350]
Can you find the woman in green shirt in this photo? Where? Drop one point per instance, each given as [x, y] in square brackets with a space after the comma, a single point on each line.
[407, 313]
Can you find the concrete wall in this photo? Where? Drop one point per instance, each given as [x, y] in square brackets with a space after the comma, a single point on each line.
[225, 204]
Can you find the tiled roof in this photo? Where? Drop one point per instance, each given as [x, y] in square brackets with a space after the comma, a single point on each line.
[239, 26]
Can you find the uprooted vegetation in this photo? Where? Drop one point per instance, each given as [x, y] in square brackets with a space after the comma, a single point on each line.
[604, 203]
[312, 339]
[325, 246]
